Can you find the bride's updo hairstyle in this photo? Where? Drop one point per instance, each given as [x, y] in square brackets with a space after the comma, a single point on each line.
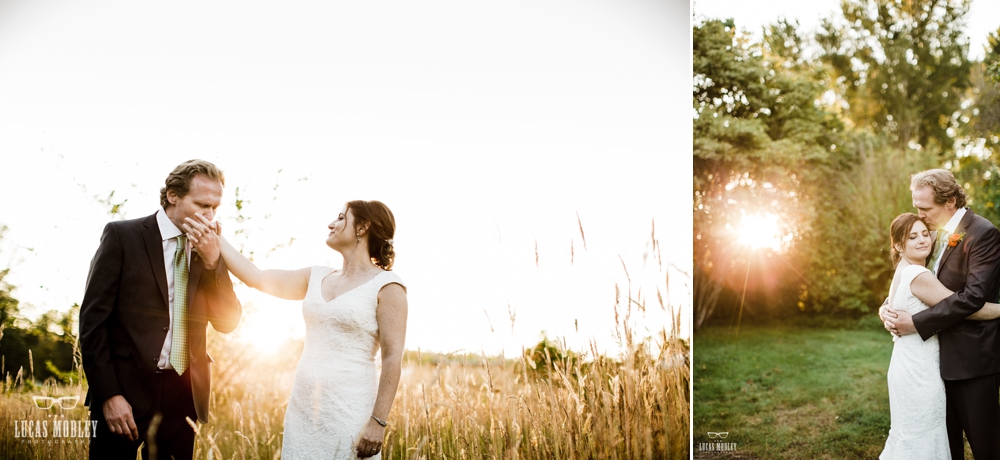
[898, 231]
[381, 228]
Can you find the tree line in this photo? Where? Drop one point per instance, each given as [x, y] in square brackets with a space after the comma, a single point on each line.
[35, 351]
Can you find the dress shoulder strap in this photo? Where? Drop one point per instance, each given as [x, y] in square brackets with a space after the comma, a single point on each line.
[388, 277]
[911, 272]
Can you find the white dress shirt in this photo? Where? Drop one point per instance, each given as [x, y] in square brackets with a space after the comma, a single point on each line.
[169, 232]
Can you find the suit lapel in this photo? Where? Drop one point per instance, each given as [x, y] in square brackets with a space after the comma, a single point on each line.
[960, 229]
[154, 249]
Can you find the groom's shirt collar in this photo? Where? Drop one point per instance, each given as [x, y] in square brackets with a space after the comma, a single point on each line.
[954, 221]
[167, 228]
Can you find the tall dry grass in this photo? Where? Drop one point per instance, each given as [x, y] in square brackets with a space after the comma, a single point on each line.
[601, 408]
[631, 406]
[635, 407]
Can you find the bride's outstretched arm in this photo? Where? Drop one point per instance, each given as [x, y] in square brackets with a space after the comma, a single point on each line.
[391, 316]
[287, 284]
[930, 291]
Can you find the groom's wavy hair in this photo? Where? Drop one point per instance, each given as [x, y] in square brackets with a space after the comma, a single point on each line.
[943, 183]
[179, 180]
[381, 228]
[899, 230]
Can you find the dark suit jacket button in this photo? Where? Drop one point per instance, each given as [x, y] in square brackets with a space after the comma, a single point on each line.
[156, 359]
[166, 328]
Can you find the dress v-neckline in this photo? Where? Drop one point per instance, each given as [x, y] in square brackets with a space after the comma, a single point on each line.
[345, 292]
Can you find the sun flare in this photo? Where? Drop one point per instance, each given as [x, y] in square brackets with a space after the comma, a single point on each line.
[758, 231]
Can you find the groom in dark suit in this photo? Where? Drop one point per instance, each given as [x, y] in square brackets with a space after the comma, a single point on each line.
[149, 295]
[966, 259]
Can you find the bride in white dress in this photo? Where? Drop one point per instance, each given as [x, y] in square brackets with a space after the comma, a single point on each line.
[335, 410]
[916, 392]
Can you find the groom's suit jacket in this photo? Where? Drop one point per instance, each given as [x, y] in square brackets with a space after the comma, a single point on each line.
[971, 269]
[124, 317]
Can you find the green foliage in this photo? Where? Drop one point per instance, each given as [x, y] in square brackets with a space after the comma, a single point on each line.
[762, 145]
[992, 59]
[48, 341]
[51, 348]
[975, 163]
[8, 304]
[849, 266]
[901, 66]
[827, 143]
[547, 356]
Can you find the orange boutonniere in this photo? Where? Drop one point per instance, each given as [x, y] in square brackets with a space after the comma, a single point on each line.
[954, 239]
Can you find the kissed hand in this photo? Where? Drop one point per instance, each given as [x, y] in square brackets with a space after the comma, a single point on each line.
[204, 236]
[370, 440]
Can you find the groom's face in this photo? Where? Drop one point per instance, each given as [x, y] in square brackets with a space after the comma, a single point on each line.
[936, 215]
[203, 198]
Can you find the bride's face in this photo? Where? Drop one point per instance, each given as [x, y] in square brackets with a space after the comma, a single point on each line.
[342, 233]
[918, 243]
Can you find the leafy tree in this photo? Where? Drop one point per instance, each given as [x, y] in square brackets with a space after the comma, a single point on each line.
[548, 355]
[901, 67]
[761, 145]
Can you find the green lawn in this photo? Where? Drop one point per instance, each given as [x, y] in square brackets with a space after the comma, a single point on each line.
[791, 392]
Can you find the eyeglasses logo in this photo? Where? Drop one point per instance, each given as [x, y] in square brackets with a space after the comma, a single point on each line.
[47, 402]
[717, 443]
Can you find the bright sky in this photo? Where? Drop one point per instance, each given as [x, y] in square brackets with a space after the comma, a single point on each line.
[983, 17]
[487, 128]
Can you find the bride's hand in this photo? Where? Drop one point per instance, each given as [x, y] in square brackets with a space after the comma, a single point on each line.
[887, 314]
[370, 440]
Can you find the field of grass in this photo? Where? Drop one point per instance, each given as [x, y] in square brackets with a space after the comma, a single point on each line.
[634, 406]
[791, 391]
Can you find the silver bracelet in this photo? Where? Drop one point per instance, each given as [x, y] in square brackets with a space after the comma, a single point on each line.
[380, 421]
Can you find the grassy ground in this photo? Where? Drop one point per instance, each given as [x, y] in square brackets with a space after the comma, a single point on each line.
[791, 392]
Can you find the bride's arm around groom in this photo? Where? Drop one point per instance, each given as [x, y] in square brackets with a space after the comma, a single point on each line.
[930, 291]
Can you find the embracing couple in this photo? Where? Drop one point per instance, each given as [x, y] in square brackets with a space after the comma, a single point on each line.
[155, 284]
[944, 376]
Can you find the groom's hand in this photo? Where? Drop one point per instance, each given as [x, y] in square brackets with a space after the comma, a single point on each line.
[118, 415]
[205, 239]
[903, 324]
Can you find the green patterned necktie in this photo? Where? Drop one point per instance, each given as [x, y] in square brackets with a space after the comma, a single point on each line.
[179, 343]
[938, 250]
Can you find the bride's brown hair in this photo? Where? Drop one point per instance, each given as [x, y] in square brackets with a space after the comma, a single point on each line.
[381, 228]
[899, 230]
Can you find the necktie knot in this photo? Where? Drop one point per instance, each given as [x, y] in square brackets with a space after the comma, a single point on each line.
[939, 246]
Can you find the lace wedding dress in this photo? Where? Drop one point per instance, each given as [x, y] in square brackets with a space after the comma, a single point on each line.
[916, 391]
[335, 382]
